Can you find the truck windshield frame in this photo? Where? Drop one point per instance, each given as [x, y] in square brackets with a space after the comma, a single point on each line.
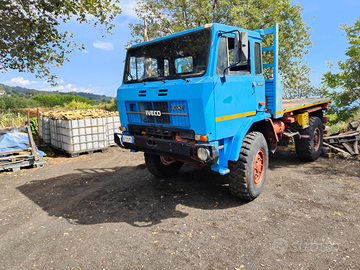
[179, 57]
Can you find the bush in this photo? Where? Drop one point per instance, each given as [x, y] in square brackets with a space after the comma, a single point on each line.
[16, 102]
[34, 128]
[59, 100]
[337, 125]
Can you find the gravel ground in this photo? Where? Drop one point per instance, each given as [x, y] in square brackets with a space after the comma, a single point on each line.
[106, 211]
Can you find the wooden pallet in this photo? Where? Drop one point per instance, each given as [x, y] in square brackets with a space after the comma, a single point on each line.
[349, 140]
[17, 159]
[83, 152]
[86, 152]
[18, 165]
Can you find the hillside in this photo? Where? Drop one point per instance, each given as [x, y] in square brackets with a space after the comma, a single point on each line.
[23, 90]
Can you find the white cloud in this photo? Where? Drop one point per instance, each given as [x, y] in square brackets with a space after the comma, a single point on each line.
[86, 90]
[85, 51]
[107, 46]
[58, 88]
[127, 8]
[19, 81]
[44, 86]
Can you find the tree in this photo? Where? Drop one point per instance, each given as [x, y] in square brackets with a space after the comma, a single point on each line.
[59, 100]
[165, 17]
[30, 38]
[17, 102]
[346, 99]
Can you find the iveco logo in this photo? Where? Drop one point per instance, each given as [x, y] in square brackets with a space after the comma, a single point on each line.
[152, 113]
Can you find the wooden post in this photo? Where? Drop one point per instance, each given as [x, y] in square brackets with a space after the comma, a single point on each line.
[32, 144]
[28, 118]
[38, 122]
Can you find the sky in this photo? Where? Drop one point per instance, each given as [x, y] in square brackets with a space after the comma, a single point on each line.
[99, 68]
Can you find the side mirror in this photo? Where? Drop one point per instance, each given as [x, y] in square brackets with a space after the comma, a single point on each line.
[241, 47]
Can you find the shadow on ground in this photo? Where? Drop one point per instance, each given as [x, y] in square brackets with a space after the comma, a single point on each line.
[131, 194]
[128, 194]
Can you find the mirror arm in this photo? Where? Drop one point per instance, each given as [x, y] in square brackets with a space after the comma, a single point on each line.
[223, 78]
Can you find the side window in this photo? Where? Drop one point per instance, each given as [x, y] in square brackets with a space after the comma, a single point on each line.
[226, 58]
[257, 52]
[222, 59]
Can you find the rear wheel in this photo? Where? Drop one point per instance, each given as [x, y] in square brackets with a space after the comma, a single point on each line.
[247, 175]
[310, 149]
[161, 166]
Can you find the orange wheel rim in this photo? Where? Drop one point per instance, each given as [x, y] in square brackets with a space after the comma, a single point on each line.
[259, 165]
[316, 139]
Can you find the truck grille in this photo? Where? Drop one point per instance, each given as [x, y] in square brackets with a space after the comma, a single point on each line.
[173, 113]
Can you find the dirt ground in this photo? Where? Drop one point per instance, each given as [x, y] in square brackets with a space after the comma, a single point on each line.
[106, 211]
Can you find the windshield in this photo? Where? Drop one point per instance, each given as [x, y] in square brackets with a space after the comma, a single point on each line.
[180, 57]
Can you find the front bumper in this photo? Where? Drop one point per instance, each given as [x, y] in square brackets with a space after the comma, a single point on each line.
[179, 150]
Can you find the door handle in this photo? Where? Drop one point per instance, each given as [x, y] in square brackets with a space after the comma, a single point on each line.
[254, 84]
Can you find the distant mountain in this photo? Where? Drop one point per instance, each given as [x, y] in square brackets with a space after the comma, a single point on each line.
[23, 90]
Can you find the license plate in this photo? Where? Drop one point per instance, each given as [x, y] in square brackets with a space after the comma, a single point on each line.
[128, 139]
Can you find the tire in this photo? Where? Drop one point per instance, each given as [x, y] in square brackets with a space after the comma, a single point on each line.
[310, 149]
[157, 167]
[247, 175]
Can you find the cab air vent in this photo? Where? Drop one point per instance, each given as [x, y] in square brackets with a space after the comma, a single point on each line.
[162, 92]
[142, 93]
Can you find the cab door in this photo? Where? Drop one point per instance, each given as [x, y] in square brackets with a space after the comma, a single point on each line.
[235, 98]
[258, 78]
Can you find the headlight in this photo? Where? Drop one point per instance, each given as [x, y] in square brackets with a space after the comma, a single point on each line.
[203, 154]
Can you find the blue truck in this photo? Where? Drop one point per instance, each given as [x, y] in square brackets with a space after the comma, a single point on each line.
[200, 96]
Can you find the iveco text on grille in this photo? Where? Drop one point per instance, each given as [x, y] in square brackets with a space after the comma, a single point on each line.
[152, 113]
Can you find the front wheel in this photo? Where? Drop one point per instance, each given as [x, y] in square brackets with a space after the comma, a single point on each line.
[161, 166]
[310, 149]
[247, 175]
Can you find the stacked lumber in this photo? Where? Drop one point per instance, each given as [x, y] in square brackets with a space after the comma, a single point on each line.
[344, 144]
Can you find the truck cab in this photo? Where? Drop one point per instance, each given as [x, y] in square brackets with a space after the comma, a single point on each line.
[200, 96]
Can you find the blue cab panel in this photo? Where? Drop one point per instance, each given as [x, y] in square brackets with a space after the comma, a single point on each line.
[189, 84]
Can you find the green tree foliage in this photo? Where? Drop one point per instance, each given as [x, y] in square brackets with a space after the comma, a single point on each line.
[34, 128]
[59, 100]
[17, 102]
[346, 99]
[165, 17]
[30, 38]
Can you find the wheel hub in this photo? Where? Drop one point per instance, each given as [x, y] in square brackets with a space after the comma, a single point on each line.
[259, 165]
[316, 139]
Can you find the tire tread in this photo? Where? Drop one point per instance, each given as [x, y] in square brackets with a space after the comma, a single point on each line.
[238, 181]
[304, 148]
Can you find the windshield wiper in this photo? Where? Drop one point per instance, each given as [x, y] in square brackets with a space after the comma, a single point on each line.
[178, 77]
[149, 79]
